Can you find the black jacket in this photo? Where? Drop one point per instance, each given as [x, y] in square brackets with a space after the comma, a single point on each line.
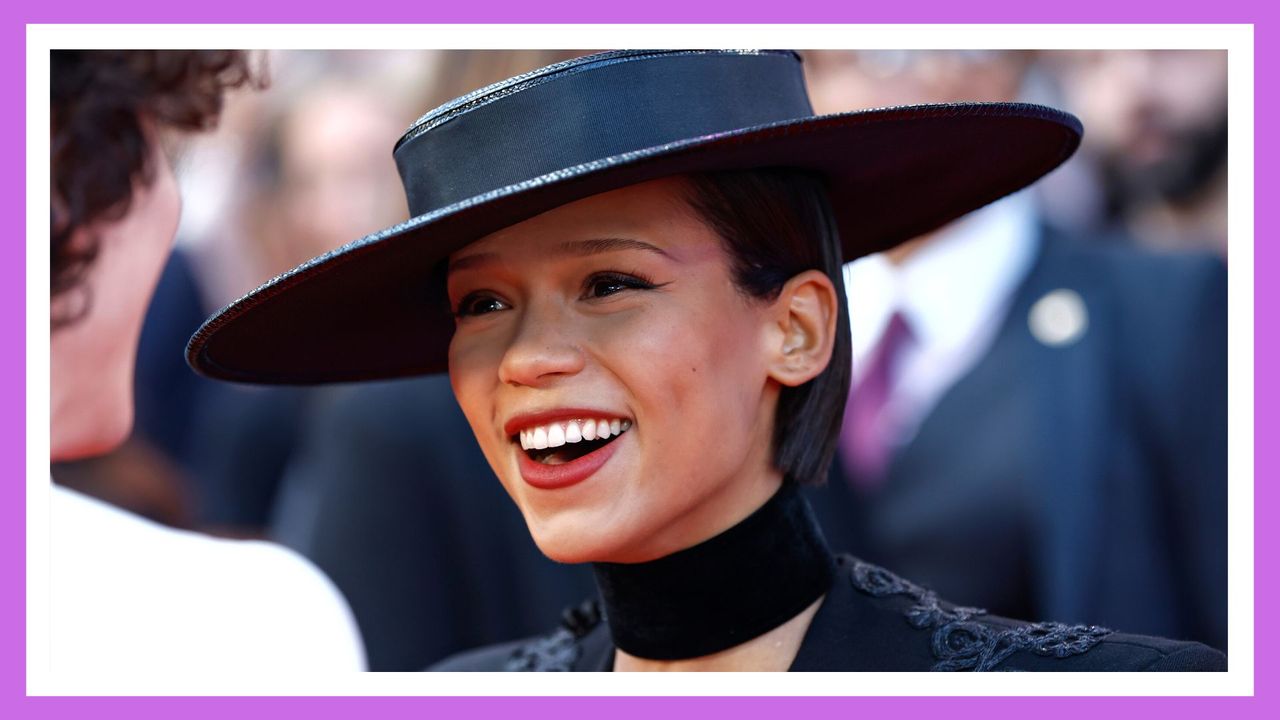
[1084, 482]
[873, 620]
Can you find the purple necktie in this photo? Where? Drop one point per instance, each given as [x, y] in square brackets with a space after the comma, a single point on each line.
[867, 436]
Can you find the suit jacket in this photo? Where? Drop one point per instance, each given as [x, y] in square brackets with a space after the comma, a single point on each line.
[1084, 482]
[390, 495]
[873, 620]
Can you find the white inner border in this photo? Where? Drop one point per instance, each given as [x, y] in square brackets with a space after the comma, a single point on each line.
[1237, 39]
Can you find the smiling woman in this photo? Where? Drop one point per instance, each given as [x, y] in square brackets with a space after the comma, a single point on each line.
[632, 265]
[627, 310]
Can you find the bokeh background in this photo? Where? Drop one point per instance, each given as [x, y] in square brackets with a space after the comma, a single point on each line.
[381, 484]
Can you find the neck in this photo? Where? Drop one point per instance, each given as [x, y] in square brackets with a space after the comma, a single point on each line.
[760, 576]
[87, 415]
[773, 651]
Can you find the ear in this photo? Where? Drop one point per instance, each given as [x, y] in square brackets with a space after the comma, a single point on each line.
[803, 328]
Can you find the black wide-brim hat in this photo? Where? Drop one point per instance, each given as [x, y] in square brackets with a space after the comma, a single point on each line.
[376, 308]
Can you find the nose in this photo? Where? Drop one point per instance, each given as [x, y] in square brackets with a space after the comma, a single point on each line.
[542, 349]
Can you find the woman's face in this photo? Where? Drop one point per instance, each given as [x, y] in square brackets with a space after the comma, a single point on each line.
[616, 314]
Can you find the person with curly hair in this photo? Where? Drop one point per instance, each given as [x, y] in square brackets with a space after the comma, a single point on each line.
[128, 594]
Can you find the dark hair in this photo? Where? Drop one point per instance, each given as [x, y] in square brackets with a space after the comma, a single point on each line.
[98, 100]
[777, 223]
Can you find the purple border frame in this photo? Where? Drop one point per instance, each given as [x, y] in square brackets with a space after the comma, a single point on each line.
[13, 700]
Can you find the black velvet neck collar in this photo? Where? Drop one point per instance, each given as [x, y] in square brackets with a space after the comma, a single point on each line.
[738, 585]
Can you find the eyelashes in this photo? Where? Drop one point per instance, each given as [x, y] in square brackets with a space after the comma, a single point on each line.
[478, 304]
[604, 284]
[597, 286]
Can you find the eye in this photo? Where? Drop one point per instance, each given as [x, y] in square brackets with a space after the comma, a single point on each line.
[479, 304]
[603, 285]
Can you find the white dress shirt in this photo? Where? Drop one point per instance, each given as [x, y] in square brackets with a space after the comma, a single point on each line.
[128, 594]
[953, 292]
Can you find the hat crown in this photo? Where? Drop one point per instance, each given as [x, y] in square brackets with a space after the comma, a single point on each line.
[599, 106]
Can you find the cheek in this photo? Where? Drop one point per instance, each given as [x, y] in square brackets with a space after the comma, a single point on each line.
[141, 243]
[473, 396]
[699, 375]
[472, 376]
[168, 201]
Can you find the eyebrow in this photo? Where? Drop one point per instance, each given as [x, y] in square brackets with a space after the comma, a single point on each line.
[580, 248]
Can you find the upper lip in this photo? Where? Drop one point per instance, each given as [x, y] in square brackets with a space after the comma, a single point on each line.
[524, 420]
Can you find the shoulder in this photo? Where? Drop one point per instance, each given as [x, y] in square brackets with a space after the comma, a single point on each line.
[580, 642]
[1161, 315]
[119, 580]
[913, 629]
[873, 620]
[1131, 271]
[284, 601]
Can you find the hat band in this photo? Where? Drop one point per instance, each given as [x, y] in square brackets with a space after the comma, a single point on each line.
[595, 110]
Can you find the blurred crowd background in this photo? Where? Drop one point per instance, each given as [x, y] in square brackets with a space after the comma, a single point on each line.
[381, 485]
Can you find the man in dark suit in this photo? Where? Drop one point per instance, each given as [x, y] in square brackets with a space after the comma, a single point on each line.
[1073, 465]
[390, 495]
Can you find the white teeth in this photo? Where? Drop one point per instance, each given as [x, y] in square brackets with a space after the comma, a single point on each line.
[555, 436]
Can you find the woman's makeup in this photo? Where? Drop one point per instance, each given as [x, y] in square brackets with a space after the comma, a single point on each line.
[559, 448]
[614, 374]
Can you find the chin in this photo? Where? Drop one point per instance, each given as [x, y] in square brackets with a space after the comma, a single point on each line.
[567, 554]
[565, 540]
[91, 393]
[567, 547]
[106, 433]
[117, 423]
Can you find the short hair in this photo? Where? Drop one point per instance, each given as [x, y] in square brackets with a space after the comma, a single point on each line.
[98, 99]
[776, 223]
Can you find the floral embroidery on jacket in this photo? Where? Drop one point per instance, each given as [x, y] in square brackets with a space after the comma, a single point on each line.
[960, 640]
[558, 651]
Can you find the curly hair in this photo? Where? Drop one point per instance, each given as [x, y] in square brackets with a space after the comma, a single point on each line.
[99, 102]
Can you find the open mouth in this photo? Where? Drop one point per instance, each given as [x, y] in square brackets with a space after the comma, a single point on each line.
[563, 442]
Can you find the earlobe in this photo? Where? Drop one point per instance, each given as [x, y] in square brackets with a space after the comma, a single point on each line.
[806, 322]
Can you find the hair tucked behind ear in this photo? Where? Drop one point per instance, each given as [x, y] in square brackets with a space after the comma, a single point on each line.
[775, 224]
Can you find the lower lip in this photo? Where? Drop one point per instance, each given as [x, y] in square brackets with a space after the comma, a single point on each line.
[554, 477]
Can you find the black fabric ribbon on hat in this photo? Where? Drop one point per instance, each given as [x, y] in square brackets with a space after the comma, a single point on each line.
[731, 588]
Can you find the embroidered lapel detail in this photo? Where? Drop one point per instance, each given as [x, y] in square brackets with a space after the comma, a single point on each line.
[558, 651]
[961, 641]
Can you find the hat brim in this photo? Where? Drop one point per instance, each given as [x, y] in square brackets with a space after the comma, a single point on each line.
[373, 309]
